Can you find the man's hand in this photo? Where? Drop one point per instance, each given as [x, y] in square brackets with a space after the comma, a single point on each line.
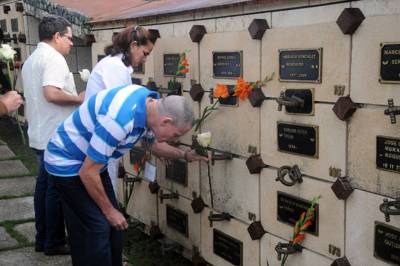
[116, 219]
[12, 100]
[81, 96]
[193, 156]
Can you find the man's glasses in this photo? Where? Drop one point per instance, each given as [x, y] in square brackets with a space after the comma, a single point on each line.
[70, 38]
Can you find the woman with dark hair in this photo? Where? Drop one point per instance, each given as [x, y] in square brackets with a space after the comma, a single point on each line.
[129, 49]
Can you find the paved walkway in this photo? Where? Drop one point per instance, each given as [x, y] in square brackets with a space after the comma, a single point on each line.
[17, 229]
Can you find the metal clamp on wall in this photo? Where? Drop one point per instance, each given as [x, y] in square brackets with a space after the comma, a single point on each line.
[287, 249]
[292, 101]
[392, 111]
[390, 208]
[218, 217]
[220, 156]
[295, 176]
[172, 195]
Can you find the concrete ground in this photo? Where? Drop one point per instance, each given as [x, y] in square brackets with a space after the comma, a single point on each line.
[17, 228]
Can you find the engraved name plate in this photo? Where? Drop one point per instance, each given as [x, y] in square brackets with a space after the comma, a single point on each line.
[298, 139]
[228, 64]
[300, 65]
[177, 220]
[291, 207]
[171, 62]
[390, 63]
[227, 247]
[177, 171]
[387, 243]
[388, 153]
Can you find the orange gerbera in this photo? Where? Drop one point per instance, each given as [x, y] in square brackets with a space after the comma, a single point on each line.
[306, 225]
[299, 238]
[221, 90]
[185, 62]
[184, 71]
[136, 167]
[242, 89]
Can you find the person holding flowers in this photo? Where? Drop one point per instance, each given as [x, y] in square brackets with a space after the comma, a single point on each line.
[129, 49]
[10, 102]
[51, 97]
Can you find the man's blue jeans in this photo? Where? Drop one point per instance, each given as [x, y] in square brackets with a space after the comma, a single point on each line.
[93, 240]
[49, 218]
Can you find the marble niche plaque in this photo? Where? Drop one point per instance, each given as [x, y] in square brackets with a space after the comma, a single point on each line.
[171, 62]
[228, 247]
[178, 220]
[297, 65]
[387, 243]
[388, 154]
[298, 139]
[390, 63]
[227, 64]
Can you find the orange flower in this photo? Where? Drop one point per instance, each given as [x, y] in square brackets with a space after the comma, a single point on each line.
[184, 71]
[185, 62]
[299, 238]
[302, 216]
[242, 89]
[306, 225]
[221, 90]
[136, 167]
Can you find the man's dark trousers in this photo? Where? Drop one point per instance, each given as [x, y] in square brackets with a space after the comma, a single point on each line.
[49, 218]
[93, 240]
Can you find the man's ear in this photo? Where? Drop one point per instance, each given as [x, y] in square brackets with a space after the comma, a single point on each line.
[166, 120]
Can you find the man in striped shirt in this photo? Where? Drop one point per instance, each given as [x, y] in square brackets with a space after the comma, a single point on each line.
[105, 127]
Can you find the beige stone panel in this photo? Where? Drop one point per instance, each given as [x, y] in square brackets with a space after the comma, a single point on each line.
[182, 29]
[365, 125]
[193, 180]
[181, 204]
[235, 190]
[305, 258]
[335, 57]
[378, 7]
[239, 23]
[234, 128]
[362, 211]
[323, 2]
[176, 45]
[97, 49]
[120, 190]
[187, 138]
[165, 30]
[234, 229]
[170, 18]
[331, 140]
[142, 205]
[331, 212]
[365, 72]
[307, 16]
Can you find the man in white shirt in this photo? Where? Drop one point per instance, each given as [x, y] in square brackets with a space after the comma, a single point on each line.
[51, 97]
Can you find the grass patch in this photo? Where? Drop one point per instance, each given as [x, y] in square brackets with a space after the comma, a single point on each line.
[9, 227]
[141, 250]
[9, 133]
[6, 197]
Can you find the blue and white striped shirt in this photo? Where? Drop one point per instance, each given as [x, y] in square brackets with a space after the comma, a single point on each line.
[104, 127]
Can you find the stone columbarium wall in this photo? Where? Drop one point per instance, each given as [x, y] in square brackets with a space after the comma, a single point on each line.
[336, 66]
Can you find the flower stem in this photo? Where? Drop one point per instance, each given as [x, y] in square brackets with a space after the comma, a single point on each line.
[12, 83]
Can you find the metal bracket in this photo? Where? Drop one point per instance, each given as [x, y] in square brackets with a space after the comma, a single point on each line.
[218, 217]
[294, 174]
[211, 95]
[220, 156]
[172, 195]
[390, 208]
[292, 101]
[287, 249]
[252, 149]
[252, 216]
[392, 111]
[335, 251]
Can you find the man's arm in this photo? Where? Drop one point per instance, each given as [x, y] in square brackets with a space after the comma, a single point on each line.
[57, 96]
[167, 151]
[89, 174]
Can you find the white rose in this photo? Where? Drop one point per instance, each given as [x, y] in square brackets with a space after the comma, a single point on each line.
[204, 139]
[85, 73]
[7, 52]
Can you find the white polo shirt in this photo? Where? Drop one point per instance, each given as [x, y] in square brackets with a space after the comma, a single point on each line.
[109, 73]
[45, 67]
